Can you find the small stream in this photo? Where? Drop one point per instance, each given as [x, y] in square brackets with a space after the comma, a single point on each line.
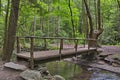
[72, 71]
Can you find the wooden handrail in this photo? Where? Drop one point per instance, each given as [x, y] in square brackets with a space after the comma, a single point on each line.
[55, 38]
[45, 38]
[50, 37]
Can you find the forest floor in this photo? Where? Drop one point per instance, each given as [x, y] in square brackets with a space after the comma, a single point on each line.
[10, 74]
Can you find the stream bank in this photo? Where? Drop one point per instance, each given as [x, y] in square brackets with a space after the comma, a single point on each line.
[69, 71]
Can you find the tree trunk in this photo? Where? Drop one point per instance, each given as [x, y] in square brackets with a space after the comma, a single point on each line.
[41, 18]
[90, 19]
[95, 13]
[34, 24]
[6, 26]
[48, 20]
[118, 1]
[0, 6]
[94, 34]
[85, 20]
[58, 22]
[72, 21]
[11, 31]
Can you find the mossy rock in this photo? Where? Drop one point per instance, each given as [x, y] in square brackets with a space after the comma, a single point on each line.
[90, 56]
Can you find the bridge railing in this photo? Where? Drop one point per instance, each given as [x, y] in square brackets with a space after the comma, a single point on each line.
[61, 41]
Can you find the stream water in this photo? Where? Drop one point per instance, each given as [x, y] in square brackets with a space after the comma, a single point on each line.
[72, 71]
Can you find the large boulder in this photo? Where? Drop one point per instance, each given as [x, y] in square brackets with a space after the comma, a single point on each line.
[15, 66]
[31, 75]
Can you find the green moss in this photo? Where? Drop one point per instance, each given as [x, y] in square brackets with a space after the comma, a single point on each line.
[116, 56]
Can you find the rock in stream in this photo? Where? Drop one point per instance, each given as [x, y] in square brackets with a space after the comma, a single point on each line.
[31, 75]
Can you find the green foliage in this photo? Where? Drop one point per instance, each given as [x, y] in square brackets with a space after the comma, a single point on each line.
[26, 45]
[40, 33]
[111, 32]
[53, 19]
[108, 36]
[1, 30]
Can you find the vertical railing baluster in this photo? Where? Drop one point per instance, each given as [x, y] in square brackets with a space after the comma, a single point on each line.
[61, 44]
[45, 44]
[76, 44]
[84, 43]
[88, 40]
[61, 47]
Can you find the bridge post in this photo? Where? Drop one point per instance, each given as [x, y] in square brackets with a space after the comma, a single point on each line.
[18, 45]
[61, 46]
[84, 43]
[31, 53]
[76, 44]
[45, 44]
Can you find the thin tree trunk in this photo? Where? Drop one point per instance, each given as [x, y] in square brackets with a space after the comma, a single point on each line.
[6, 27]
[41, 23]
[84, 17]
[95, 13]
[100, 30]
[54, 27]
[99, 16]
[0, 6]
[118, 1]
[34, 24]
[90, 19]
[94, 34]
[48, 23]
[58, 22]
[11, 31]
[41, 18]
[73, 26]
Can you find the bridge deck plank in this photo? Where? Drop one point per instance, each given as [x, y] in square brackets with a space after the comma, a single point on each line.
[42, 55]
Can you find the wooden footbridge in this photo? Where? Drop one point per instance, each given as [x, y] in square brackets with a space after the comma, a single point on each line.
[48, 55]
